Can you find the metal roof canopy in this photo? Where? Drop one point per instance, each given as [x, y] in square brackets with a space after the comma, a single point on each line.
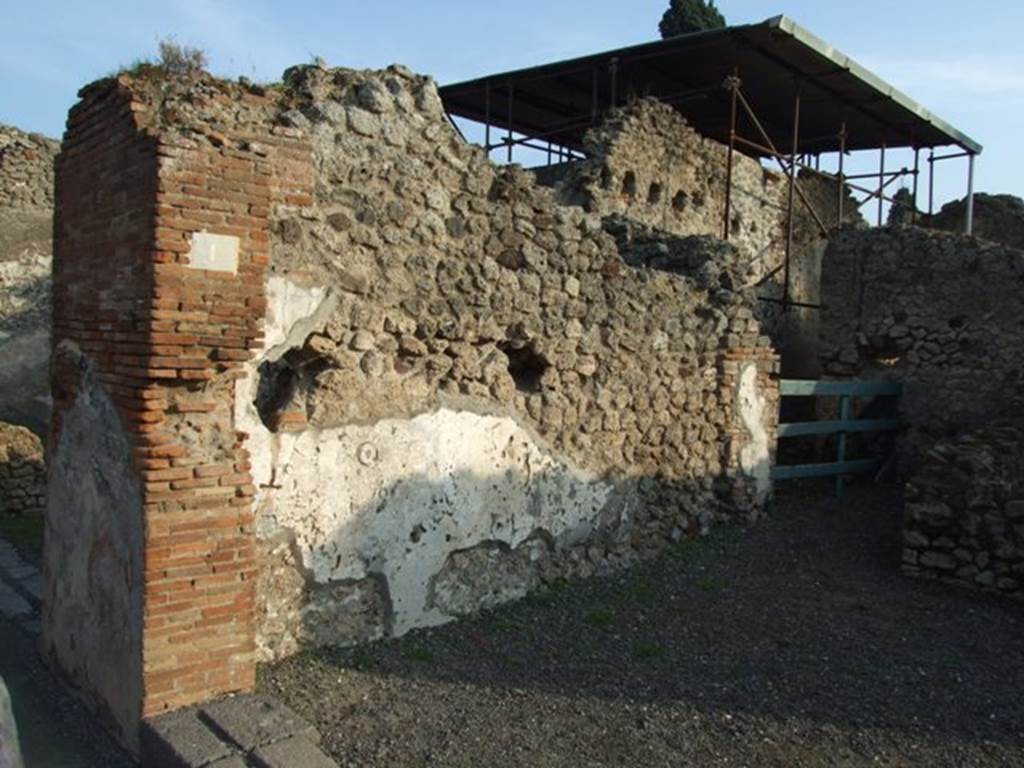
[774, 59]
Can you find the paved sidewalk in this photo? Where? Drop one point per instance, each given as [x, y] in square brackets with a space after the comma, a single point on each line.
[54, 728]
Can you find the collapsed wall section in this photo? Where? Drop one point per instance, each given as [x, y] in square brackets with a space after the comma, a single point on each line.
[466, 390]
[939, 313]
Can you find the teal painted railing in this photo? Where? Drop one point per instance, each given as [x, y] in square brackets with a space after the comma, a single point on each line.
[844, 390]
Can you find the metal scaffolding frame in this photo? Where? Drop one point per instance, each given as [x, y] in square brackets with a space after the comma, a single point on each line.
[555, 97]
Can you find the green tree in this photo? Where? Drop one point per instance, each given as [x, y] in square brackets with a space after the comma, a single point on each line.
[686, 16]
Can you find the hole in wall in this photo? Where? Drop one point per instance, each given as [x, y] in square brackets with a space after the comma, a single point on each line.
[654, 193]
[680, 201]
[606, 178]
[734, 225]
[278, 381]
[526, 366]
[629, 185]
[698, 199]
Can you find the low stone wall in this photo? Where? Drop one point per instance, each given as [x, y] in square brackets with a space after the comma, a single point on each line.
[964, 517]
[936, 311]
[22, 472]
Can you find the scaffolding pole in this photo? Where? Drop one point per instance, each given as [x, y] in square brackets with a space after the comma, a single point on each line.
[969, 218]
[733, 84]
[792, 195]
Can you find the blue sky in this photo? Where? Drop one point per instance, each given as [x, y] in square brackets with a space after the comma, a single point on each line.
[968, 68]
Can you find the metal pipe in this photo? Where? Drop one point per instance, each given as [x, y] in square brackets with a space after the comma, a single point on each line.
[733, 84]
[931, 186]
[970, 195]
[511, 93]
[487, 117]
[881, 183]
[952, 157]
[841, 186]
[917, 171]
[792, 196]
[613, 68]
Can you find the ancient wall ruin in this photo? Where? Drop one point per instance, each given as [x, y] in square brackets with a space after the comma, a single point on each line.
[346, 378]
[467, 391]
[646, 165]
[22, 472]
[936, 311]
[26, 226]
[964, 516]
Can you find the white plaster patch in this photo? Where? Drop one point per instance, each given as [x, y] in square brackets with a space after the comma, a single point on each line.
[441, 482]
[755, 458]
[396, 498]
[217, 253]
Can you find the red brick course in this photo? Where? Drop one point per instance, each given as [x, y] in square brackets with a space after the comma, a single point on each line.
[168, 342]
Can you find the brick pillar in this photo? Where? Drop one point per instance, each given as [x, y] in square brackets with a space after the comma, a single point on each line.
[162, 238]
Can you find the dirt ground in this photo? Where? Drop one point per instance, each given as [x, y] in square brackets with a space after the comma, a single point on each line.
[794, 642]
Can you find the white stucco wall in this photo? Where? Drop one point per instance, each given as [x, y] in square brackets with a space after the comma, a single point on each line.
[396, 498]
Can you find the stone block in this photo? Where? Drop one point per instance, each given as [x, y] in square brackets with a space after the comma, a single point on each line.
[251, 721]
[291, 753]
[180, 740]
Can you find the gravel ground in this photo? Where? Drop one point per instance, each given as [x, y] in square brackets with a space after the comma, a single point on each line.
[795, 642]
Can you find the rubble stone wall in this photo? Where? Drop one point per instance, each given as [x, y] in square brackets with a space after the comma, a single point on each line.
[647, 165]
[467, 391]
[22, 472]
[26, 227]
[940, 313]
[26, 169]
[964, 517]
[462, 388]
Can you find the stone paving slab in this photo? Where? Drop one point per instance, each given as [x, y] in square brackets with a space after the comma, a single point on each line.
[291, 753]
[251, 721]
[13, 605]
[181, 739]
[234, 732]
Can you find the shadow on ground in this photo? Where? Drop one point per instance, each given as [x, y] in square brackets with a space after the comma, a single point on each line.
[793, 642]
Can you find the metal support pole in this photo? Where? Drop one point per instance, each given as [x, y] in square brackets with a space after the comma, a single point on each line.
[881, 184]
[841, 186]
[733, 84]
[792, 196]
[594, 96]
[844, 415]
[969, 224]
[487, 117]
[917, 171]
[931, 186]
[511, 92]
[613, 69]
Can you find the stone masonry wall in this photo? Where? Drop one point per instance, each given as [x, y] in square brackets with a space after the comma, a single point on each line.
[939, 312]
[162, 240]
[26, 228]
[646, 164]
[466, 391]
[964, 517]
[26, 169]
[462, 389]
[22, 472]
